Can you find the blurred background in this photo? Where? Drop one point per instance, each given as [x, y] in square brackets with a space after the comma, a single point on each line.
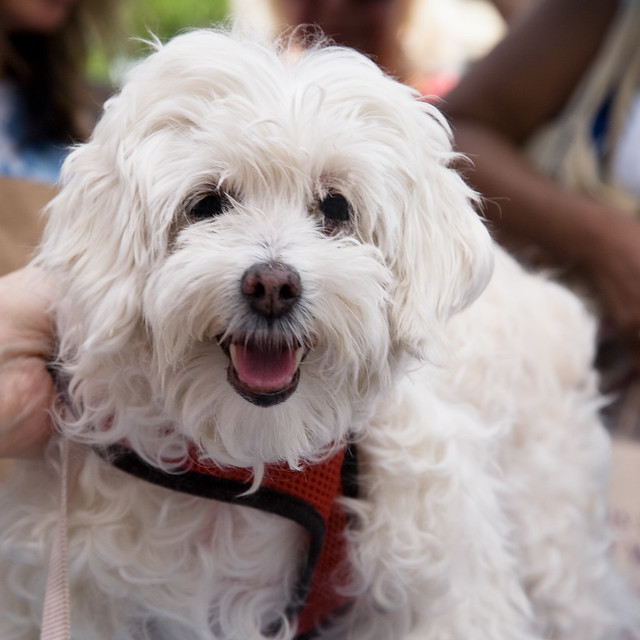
[139, 19]
[441, 34]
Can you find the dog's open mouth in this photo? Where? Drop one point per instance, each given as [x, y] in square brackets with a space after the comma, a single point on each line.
[264, 375]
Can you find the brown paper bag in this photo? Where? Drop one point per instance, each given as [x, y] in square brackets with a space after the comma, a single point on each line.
[21, 220]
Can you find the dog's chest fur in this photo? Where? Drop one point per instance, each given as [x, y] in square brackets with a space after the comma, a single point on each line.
[167, 560]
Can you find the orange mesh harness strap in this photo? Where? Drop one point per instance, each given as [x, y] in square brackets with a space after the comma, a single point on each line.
[308, 497]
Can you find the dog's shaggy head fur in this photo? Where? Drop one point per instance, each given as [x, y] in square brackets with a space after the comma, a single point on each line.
[249, 244]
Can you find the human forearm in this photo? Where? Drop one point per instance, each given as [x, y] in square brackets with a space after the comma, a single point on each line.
[525, 207]
[528, 210]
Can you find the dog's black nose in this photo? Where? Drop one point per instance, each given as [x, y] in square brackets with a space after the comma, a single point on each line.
[271, 288]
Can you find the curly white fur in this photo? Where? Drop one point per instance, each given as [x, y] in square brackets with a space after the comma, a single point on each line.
[483, 465]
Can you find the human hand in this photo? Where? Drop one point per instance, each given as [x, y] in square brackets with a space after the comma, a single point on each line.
[26, 345]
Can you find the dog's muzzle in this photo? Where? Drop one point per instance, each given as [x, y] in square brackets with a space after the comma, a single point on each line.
[265, 370]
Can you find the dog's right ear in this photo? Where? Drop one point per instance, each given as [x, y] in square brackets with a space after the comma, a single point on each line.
[445, 253]
[95, 247]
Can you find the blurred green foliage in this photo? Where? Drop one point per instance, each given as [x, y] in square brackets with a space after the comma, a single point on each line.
[165, 18]
[141, 19]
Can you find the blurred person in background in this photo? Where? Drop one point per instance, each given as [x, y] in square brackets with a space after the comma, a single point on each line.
[45, 100]
[370, 27]
[424, 43]
[46, 104]
[551, 121]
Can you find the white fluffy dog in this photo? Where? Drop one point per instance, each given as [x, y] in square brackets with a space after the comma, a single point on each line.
[266, 262]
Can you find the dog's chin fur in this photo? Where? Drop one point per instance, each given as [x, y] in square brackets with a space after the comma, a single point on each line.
[483, 464]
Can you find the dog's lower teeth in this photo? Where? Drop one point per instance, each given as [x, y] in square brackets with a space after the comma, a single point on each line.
[232, 355]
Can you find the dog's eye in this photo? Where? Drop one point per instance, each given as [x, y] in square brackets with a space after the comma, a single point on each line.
[210, 206]
[335, 207]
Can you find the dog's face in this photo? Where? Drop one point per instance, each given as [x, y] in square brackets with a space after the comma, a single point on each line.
[251, 242]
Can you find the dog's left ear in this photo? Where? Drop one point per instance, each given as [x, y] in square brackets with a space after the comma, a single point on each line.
[445, 256]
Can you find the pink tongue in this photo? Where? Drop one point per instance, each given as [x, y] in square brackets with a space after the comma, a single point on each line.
[264, 370]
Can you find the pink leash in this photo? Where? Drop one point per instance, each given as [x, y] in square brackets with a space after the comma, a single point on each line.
[56, 617]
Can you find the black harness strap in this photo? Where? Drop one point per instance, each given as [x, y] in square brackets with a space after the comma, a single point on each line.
[213, 483]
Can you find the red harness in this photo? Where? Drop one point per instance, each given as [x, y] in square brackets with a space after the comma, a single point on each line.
[307, 497]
